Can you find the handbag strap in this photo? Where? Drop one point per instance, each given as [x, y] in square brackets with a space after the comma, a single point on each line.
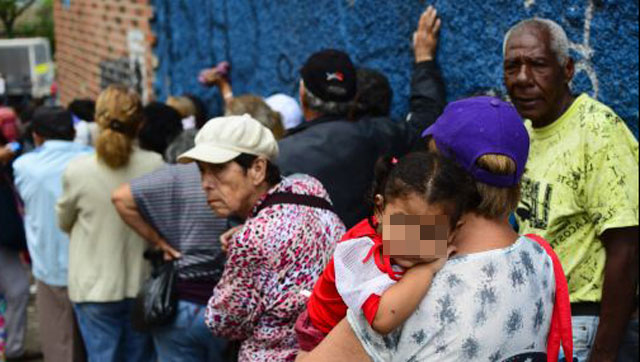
[560, 333]
[295, 199]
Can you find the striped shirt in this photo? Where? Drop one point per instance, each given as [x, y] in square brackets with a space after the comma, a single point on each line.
[172, 201]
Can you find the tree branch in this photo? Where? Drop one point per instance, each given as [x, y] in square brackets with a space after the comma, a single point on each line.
[24, 7]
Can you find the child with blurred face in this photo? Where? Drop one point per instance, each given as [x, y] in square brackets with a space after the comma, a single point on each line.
[386, 263]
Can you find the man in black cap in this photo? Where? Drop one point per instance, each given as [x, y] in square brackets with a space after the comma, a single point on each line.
[342, 153]
[38, 179]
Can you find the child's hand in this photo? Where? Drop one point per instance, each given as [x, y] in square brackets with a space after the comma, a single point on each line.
[430, 262]
[435, 264]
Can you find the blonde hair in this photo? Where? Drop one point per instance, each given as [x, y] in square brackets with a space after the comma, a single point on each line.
[183, 105]
[119, 116]
[258, 109]
[495, 202]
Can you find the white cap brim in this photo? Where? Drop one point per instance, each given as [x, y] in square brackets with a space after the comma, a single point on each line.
[209, 154]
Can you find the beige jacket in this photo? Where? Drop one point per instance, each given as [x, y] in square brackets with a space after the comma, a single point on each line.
[105, 255]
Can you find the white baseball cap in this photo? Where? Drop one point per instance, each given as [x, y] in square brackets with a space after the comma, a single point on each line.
[287, 107]
[224, 138]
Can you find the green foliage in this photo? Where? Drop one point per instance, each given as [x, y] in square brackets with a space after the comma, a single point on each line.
[40, 26]
[10, 10]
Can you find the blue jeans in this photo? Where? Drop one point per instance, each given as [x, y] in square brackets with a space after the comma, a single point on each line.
[584, 330]
[187, 338]
[107, 333]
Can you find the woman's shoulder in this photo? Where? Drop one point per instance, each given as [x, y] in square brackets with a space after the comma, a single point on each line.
[146, 155]
[146, 159]
[82, 164]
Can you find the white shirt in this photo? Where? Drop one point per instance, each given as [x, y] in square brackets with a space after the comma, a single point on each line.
[356, 280]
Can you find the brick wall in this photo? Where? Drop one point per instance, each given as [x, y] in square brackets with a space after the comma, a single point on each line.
[93, 46]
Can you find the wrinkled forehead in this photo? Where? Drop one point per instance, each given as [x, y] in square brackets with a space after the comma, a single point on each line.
[400, 219]
[533, 37]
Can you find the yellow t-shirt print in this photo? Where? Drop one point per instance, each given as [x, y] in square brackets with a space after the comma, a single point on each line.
[581, 179]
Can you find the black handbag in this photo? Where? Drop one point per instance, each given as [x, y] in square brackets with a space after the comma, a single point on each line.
[156, 303]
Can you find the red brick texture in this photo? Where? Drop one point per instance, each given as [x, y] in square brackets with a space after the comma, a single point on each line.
[89, 33]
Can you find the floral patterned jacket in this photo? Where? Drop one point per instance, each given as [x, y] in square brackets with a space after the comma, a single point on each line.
[279, 253]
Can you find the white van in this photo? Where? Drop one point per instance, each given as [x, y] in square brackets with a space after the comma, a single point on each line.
[26, 66]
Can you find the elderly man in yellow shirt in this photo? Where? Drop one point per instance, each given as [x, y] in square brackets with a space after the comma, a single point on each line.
[580, 189]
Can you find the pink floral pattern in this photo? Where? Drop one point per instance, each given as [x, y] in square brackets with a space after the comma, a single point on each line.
[2, 331]
[278, 254]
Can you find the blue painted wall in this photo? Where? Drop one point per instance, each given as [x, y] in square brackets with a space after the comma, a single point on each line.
[267, 41]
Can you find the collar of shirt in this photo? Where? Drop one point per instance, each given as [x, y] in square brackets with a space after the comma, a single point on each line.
[277, 188]
[307, 124]
[61, 145]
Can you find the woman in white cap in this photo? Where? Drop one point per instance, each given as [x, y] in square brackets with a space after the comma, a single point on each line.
[288, 236]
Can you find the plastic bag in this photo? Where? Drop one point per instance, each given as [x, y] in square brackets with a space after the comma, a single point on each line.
[156, 302]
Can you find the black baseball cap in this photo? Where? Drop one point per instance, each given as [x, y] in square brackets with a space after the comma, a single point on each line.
[330, 75]
[53, 123]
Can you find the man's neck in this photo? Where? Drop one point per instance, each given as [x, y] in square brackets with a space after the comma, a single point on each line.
[478, 234]
[566, 102]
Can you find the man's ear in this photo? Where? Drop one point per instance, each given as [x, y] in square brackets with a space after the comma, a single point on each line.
[569, 70]
[258, 171]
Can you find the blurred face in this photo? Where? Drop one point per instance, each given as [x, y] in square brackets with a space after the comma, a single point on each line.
[414, 231]
[229, 189]
[536, 81]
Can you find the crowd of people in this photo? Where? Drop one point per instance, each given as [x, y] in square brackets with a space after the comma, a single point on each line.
[322, 230]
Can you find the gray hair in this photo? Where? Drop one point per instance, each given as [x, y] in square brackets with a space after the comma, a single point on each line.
[559, 42]
[181, 144]
[323, 107]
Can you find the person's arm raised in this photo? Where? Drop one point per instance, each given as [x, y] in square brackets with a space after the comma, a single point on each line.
[427, 98]
[425, 38]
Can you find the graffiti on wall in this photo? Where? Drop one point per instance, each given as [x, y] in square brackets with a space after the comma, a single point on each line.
[129, 70]
[267, 42]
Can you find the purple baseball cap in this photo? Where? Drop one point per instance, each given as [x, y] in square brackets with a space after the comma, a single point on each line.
[473, 127]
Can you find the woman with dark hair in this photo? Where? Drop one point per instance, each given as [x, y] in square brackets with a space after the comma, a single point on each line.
[83, 111]
[162, 124]
[429, 194]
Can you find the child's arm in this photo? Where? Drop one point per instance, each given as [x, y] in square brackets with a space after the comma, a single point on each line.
[400, 301]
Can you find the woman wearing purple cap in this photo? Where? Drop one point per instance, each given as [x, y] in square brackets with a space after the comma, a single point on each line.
[503, 296]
